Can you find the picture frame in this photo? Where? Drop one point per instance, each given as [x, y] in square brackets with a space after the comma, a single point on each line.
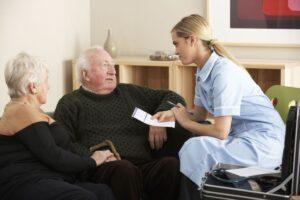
[218, 15]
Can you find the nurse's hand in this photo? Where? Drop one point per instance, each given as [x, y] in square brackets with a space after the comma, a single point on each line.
[164, 116]
[181, 114]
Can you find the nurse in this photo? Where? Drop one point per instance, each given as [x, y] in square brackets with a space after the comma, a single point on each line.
[247, 130]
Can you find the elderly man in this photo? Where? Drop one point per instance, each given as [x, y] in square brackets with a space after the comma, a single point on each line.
[101, 109]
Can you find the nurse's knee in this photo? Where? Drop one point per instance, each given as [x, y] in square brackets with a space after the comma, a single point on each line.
[196, 143]
[198, 140]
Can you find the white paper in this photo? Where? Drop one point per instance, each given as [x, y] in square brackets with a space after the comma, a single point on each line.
[146, 118]
[251, 171]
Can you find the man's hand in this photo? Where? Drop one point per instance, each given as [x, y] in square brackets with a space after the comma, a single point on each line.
[102, 156]
[157, 137]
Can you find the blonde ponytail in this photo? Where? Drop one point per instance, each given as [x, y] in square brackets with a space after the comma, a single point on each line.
[221, 51]
[198, 25]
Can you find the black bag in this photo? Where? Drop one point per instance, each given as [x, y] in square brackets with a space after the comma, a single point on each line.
[219, 186]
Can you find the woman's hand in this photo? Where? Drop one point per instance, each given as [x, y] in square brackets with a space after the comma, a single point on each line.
[111, 158]
[181, 114]
[51, 120]
[102, 156]
[164, 116]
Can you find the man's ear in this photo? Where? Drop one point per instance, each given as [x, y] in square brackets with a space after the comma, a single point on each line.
[84, 75]
[32, 88]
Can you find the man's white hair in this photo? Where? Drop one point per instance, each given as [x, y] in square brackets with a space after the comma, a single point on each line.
[21, 71]
[83, 62]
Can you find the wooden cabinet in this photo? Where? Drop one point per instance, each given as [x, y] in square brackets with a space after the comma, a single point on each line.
[181, 79]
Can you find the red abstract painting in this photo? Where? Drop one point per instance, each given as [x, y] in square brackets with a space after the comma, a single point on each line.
[269, 14]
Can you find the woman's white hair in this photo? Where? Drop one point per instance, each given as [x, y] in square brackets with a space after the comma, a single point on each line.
[83, 61]
[21, 71]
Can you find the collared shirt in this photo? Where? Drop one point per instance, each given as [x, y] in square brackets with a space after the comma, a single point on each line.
[225, 89]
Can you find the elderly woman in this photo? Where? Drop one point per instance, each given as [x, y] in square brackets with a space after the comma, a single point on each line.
[34, 159]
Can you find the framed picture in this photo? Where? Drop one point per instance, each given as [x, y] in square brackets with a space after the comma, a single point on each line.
[255, 22]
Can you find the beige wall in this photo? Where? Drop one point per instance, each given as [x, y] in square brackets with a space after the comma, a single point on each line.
[280, 53]
[141, 26]
[56, 30]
